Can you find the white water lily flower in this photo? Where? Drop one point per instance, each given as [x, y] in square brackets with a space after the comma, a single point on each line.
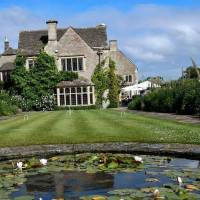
[138, 159]
[43, 161]
[156, 194]
[179, 180]
[19, 165]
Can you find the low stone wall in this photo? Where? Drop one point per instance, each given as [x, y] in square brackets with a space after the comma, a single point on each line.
[178, 150]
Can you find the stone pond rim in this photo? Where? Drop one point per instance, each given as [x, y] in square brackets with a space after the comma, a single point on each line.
[191, 151]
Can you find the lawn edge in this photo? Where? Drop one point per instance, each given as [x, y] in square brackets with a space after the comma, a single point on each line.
[191, 151]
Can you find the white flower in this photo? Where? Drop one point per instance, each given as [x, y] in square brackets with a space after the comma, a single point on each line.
[138, 159]
[43, 161]
[156, 194]
[179, 180]
[19, 165]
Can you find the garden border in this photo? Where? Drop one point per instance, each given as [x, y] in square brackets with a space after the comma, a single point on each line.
[173, 149]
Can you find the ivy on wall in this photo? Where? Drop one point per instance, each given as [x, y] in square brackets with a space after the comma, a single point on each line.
[105, 78]
[101, 81]
[113, 95]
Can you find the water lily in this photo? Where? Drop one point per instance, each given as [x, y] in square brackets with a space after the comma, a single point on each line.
[20, 165]
[43, 161]
[179, 180]
[156, 194]
[138, 159]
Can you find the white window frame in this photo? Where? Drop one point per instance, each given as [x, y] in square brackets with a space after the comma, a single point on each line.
[88, 92]
[72, 57]
[27, 62]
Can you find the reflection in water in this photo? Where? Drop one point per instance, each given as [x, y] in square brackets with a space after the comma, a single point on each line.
[72, 184]
[182, 162]
[68, 183]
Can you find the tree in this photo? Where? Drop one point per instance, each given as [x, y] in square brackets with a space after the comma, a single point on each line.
[190, 73]
[113, 95]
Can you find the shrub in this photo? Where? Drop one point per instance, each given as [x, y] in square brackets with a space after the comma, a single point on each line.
[183, 98]
[135, 104]
[8, 106]
[46, 102]
[76, 107]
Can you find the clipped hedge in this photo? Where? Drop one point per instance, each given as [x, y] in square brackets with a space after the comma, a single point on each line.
[76, 107]
[183, 98]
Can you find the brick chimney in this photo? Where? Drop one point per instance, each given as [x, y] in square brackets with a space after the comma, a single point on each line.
[6, 44]
[113, 45]
[52, 31]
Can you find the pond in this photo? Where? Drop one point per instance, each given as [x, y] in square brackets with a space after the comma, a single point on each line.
[100, 177]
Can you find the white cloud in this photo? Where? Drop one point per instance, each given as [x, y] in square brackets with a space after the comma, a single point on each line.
[158, 39]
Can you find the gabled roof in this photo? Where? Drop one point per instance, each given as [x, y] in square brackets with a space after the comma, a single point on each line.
[10, 51]
[7, 66]
[32, 41]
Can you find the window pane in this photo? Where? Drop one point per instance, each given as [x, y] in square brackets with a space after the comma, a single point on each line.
[74, 60]
[85, 99]
[91, 89]
[73, 90]
[63, 65]
[80, 64]
[69, 64]
[30, 64]
[4, 76]
[126, 78]
[91, 98]
[79, 102]
[73, 99]
[61, 90]
[78, 90]
[62, 102]
[130, 78]
[67, 99]
[67, 90]
[84, 89]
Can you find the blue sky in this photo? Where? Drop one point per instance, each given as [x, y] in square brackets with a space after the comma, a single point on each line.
[158, 36]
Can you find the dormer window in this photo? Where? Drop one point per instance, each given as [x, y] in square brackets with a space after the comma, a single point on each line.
[74, 64]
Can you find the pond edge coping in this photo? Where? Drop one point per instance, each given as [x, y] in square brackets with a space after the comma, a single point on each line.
[191, 151]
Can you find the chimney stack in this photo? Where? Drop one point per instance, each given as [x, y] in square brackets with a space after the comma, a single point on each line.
[52, 31]
[113, 45]
[6, 44]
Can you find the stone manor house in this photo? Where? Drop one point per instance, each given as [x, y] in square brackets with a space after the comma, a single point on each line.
[74, 49]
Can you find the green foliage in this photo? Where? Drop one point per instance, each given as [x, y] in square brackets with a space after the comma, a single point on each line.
[44, 77]
[8, 106]
[136, 104]
[19, 76]
[68, 76]
[1, 85]
[183, 98]
[76, 107]
[101, 81]
[35, 88]
[113, 95]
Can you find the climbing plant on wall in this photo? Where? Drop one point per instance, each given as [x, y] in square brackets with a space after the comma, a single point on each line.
[105, 78]
[113, 95]
[101, 81]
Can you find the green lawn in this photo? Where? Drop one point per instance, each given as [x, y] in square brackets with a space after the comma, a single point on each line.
[91, 126]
